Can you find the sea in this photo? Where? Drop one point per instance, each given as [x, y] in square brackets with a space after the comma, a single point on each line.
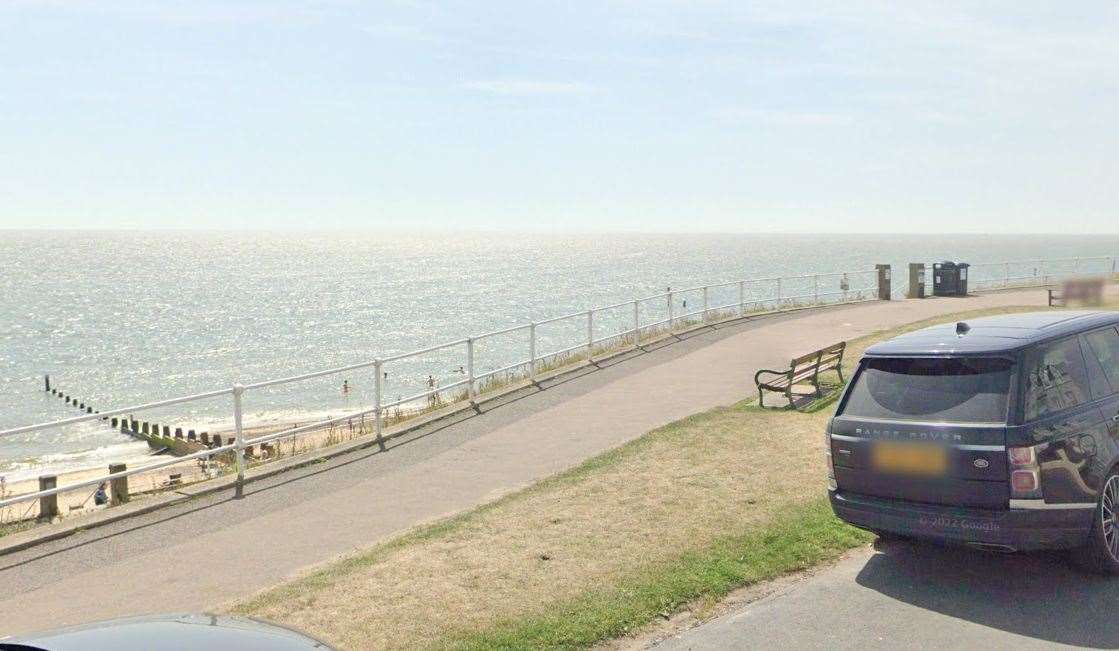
[120, 318]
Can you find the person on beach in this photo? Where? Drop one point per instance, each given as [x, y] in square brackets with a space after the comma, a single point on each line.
[100, 498]
[345, 387]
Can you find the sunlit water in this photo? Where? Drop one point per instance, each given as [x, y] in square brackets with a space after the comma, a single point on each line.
[131, 317]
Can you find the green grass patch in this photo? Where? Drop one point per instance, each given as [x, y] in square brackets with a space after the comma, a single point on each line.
[804, 537]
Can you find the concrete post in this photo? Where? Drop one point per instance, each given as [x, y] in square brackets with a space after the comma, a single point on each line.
[916, 280]
[118, 488]
[48, 504]
[883, 281]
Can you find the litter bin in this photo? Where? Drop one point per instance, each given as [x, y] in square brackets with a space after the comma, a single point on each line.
[950, 278]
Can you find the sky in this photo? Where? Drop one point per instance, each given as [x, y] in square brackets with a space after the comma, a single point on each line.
[561, 116]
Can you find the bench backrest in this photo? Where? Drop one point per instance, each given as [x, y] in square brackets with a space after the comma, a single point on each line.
[822, 359]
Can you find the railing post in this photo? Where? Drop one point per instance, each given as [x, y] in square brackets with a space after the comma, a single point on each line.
[671, 310]
[778, 293]
[706, 305]
[1006, 283]
[636, 324]
[471, 389]
[48, 505]
[239, 438]
[118, 488]
[742, 297]
[532, 351]
[590, 334]
[378, 390]
[816, 288]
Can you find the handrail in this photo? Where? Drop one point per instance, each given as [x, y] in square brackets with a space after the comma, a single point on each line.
[632, 330]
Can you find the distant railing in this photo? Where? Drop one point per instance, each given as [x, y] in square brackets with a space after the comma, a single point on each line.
[1027, 273]
[625, 324]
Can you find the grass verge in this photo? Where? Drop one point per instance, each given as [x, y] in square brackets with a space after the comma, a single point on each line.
[687, 512]
[803, 537]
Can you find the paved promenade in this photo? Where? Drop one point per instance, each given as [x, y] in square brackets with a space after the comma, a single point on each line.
[213, 550]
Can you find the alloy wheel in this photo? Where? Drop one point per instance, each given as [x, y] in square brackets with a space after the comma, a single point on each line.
[1109, 507]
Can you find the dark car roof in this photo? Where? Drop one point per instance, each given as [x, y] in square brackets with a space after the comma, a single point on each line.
[170, 632]
[993, 334]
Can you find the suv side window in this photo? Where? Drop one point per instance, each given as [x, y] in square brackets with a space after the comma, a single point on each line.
[1055, 378]
[1104, 346]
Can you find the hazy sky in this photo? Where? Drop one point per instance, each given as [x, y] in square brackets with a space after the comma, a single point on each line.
[643, 115]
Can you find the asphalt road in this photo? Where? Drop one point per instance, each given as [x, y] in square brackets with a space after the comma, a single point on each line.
[920, 596]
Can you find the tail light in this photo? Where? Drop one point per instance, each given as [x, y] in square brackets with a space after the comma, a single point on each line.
[1025, 478]
[832, 485]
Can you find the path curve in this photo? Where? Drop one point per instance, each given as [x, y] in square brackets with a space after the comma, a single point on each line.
[214, 549]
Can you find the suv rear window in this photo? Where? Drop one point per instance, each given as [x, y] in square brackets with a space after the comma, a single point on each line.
[946, 389]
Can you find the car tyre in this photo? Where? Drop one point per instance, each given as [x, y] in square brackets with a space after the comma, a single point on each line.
[1101, 553]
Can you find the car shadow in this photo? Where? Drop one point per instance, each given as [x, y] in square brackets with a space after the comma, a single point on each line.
[1040, 595]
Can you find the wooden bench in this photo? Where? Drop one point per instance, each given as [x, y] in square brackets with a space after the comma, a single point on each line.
[802, 370]
[1085, 291]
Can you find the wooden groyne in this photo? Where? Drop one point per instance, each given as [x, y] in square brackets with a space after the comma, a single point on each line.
[176, 442]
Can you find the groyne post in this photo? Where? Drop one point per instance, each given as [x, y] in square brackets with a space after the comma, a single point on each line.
[48, 504]
[47, 383]
[118, 487]
[239, 433]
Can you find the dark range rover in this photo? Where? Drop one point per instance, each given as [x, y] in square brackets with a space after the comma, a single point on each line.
[1000, 433]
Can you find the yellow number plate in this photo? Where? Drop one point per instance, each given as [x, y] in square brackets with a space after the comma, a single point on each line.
[910, 458]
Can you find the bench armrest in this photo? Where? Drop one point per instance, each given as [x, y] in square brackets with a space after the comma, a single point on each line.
[758, 375]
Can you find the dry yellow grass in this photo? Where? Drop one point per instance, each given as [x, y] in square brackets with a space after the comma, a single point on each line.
[682, 486]
[675, 490]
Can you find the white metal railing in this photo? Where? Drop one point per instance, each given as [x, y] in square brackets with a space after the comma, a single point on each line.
[624, 323]
[1025, 273]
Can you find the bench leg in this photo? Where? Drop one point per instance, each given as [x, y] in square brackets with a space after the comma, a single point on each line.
[839, 372]
[789, 395]
[761, 397]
